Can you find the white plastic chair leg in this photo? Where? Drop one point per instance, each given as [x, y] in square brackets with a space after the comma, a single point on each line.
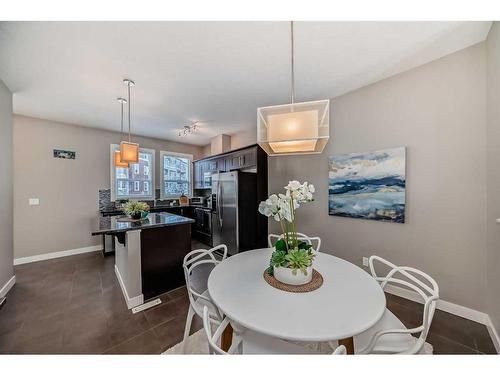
[187, 329]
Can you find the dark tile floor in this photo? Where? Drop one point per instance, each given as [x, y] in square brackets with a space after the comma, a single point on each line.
[75, 305]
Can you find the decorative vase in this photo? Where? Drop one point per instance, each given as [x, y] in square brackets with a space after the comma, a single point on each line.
[136, 215]
[285, 275]
[144, 214]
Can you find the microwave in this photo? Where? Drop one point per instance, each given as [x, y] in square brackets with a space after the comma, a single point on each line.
[197, 201]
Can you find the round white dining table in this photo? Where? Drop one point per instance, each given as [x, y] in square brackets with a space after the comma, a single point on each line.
[349, 302]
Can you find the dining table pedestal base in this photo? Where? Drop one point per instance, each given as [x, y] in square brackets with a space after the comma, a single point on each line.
[348, 343]
[227, 338]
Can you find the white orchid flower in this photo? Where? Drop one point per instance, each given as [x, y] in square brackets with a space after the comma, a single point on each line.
[285, 209]
[264, 209]
[293, 185]
[282, 207]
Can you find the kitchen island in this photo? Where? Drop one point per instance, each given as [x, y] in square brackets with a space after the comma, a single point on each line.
[148, 253]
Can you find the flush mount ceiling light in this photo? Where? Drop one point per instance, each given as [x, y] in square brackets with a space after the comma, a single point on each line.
[129, 151]
[189, 129]
[118, 157]
[295, 128]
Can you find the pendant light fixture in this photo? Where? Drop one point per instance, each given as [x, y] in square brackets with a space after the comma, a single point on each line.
[295, 128]
[118, 157]
[129, 151]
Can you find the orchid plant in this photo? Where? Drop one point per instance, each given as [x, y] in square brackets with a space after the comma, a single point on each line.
[289, 251]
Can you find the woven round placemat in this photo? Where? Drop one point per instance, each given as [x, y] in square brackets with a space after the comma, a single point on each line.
[315, 283]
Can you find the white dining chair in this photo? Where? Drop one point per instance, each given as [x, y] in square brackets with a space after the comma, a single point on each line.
[249, 342]
[390, 335]
[197, 267]
[315, 242]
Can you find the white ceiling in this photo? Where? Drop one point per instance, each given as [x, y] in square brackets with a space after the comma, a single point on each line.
[214, 72]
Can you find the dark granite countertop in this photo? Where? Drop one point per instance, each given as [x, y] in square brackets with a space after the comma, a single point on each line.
[112, 225]
[159, 208]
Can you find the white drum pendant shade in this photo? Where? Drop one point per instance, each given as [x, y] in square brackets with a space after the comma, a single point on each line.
[291, 129]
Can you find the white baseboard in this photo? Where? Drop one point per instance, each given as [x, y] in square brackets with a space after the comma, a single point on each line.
[131, 302]
[452, 308]
[7, 286]
[57, 254]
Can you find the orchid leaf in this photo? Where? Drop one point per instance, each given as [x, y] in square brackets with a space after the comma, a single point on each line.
[280, 245]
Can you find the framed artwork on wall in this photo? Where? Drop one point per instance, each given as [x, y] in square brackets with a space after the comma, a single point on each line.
[64, 154]
[369, 185]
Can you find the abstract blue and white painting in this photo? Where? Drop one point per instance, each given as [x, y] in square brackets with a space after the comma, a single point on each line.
[368, 185]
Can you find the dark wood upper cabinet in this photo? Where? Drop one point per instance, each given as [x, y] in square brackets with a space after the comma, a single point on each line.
[211, 165]
[198, 177]
[221, 164]
[248, 159]
[239, 159]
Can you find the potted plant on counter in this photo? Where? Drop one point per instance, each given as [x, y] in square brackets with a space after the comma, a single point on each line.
[292, 259]
[136, 210]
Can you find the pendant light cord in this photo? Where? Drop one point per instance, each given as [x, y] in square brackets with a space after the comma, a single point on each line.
[292, 86]
[128, 87]
[121, 121]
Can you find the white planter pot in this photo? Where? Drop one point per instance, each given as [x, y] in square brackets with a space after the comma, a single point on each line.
[285, 275]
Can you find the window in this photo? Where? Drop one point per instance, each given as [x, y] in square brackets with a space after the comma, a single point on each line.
[176, 175]
[133, 182]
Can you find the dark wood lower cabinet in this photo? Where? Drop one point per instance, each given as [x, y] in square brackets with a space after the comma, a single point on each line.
[162, 253]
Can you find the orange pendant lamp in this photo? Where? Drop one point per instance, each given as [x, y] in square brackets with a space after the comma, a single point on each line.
[129, 151]
[118, 158]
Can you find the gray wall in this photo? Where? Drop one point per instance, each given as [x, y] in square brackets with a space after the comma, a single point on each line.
[6, 242]
[68, 189]
[493, 181]
[243, 139]
[238, 140]
[438, 111]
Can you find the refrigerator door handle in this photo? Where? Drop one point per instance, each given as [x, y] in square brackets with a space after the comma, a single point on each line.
[219, 199]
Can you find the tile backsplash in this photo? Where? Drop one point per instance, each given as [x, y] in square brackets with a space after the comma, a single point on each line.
[105, 203]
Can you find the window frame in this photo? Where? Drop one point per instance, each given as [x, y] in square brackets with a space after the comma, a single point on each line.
[112, 168]
[163, 195]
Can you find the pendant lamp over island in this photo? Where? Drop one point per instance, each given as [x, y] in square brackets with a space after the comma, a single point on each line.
[129, 151]
[118, 158]
[295, 128]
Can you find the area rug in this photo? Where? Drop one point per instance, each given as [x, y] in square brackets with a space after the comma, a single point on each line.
[197, 343]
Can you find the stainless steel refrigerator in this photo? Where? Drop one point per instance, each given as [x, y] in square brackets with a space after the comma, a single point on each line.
[234, 217]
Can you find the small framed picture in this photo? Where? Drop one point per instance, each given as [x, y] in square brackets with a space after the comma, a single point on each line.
[64, 154]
